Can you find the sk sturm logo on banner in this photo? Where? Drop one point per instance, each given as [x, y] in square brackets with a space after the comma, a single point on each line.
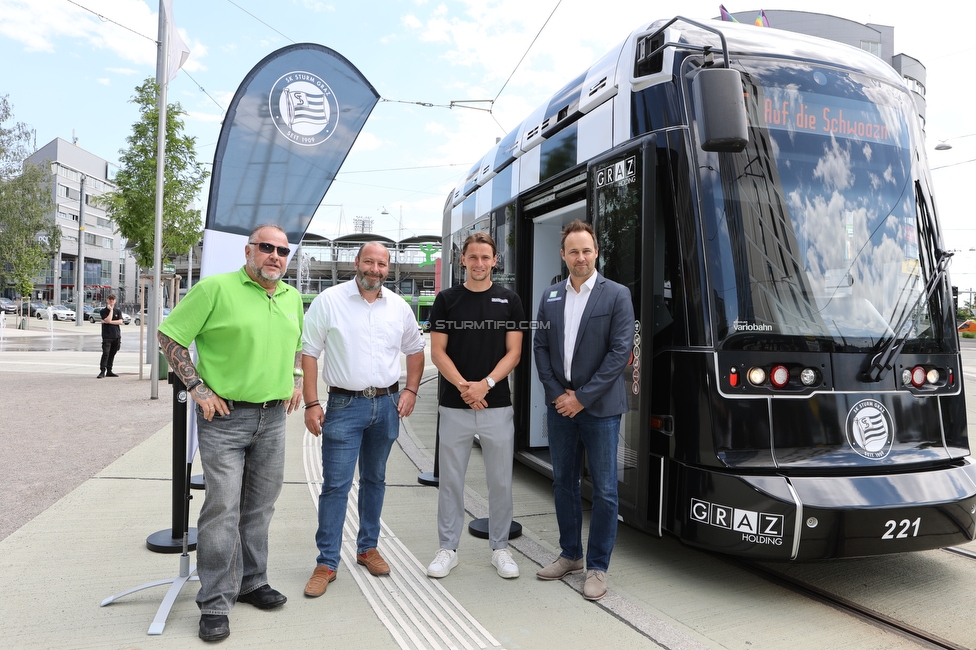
[304, 108]
[869, 429]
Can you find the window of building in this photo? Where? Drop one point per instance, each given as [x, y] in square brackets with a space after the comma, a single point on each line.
[915, 85]
[62, 190]
[874, 47]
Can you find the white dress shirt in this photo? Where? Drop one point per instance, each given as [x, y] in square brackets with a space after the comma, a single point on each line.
[575, 304]
[362, 341]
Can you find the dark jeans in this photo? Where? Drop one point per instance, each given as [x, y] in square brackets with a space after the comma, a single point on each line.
[109, 348]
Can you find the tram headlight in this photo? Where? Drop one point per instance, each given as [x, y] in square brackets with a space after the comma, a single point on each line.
[906, 376]
[809, 377]
[757, 376]
[932, 376]
[918, 376]
[779, 376]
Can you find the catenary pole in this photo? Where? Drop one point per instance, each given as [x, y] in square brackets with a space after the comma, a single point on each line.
[80, 267]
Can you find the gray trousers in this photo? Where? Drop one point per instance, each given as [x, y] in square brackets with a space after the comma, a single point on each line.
[495, 428]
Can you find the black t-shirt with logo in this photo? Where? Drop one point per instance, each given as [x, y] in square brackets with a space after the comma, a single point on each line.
[111, 331]
[476, 323]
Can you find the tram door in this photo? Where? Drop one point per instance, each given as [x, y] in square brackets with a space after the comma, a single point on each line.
[614, 205]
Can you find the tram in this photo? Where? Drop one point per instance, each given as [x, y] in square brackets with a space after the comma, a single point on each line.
[796, 390]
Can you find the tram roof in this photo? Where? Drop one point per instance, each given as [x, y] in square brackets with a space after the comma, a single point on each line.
[570, 102]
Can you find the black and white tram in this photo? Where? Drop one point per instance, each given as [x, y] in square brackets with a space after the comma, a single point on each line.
[796, 385]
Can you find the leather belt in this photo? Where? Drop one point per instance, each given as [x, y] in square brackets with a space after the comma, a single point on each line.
[369, 392]
[235, 404]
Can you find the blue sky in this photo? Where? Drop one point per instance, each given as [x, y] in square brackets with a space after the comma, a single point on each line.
[66, 71]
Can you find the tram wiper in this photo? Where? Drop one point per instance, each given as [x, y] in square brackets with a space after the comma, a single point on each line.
[881, 363]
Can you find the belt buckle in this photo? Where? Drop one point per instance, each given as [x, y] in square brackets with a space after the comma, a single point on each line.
[369, 392]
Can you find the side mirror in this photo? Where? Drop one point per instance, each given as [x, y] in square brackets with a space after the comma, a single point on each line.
[720, 110]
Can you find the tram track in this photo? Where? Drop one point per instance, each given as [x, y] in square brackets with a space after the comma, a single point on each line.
[957, 550]
[883, 621]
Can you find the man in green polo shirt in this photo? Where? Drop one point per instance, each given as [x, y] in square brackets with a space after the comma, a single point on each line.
[248, 332]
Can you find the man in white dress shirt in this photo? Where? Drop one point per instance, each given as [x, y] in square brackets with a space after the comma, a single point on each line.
[362, 330]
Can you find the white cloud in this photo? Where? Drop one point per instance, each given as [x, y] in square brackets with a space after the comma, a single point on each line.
[367, 141]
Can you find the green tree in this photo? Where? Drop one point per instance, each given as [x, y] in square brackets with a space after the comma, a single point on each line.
[29, 235]
[133, 205]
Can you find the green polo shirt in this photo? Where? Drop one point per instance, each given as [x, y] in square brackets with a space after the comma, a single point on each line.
[246, 341]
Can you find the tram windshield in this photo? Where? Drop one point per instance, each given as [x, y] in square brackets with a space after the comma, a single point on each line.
[817, 232]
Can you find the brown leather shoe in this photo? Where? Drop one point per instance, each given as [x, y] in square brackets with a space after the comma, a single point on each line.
[319, 581]
[371, 560]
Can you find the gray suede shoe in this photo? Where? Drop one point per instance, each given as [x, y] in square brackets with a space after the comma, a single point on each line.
[561, 567]
[595, 586]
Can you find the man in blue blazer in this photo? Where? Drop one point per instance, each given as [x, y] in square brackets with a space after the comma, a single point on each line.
[583, 343]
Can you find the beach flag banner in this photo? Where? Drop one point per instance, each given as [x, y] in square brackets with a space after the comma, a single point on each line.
[761, 20]
[287, 132]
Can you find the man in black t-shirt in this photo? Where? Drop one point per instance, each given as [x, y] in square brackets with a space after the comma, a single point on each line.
[476, 342]
[111, 336]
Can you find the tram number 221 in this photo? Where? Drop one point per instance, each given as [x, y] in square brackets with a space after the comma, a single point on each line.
[900, 530]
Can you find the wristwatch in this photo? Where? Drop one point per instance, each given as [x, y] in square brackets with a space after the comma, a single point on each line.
[193, 384]
[490, 382]
[299, 372]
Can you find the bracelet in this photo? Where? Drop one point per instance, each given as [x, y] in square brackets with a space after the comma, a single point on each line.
[412, 391]
[309, 405]
[193, 384]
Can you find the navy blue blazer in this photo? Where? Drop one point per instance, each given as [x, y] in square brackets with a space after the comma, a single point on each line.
[603, 346]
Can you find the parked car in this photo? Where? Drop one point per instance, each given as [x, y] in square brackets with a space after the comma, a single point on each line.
[34, 306]
[57, 312]
[968, 326]
[8, 306]
[139, 318]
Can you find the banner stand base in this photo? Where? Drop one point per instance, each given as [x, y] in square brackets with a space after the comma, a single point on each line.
[176, 585]
[162, 541]
[479, 528]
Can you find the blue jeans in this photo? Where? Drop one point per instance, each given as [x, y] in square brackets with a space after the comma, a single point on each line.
[568, 438]
[243, 458]
[355, 428]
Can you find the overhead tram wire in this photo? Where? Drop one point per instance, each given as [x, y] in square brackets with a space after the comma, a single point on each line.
[261, 21]
[106, 19]
[459, 103]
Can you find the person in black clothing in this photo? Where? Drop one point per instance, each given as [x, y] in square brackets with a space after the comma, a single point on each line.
[476, 342]
[111, 336]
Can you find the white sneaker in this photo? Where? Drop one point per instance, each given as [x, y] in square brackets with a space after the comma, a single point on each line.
[444, 561]
[503, 561]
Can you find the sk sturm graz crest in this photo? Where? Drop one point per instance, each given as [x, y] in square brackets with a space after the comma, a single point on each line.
[869, 429]
[304, 108]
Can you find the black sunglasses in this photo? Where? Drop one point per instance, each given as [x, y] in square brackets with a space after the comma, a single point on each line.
[267, 248]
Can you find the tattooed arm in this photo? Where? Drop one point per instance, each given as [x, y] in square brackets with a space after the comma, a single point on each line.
[179, 360]
[296, 396]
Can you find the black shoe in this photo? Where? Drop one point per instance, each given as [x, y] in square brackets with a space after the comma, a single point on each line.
[100, 375]
[264, 597]
[110, 374]
[214, 627]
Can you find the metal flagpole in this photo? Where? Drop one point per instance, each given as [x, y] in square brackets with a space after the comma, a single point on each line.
[162, 72]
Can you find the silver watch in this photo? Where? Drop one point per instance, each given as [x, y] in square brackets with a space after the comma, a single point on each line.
[490, 382]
